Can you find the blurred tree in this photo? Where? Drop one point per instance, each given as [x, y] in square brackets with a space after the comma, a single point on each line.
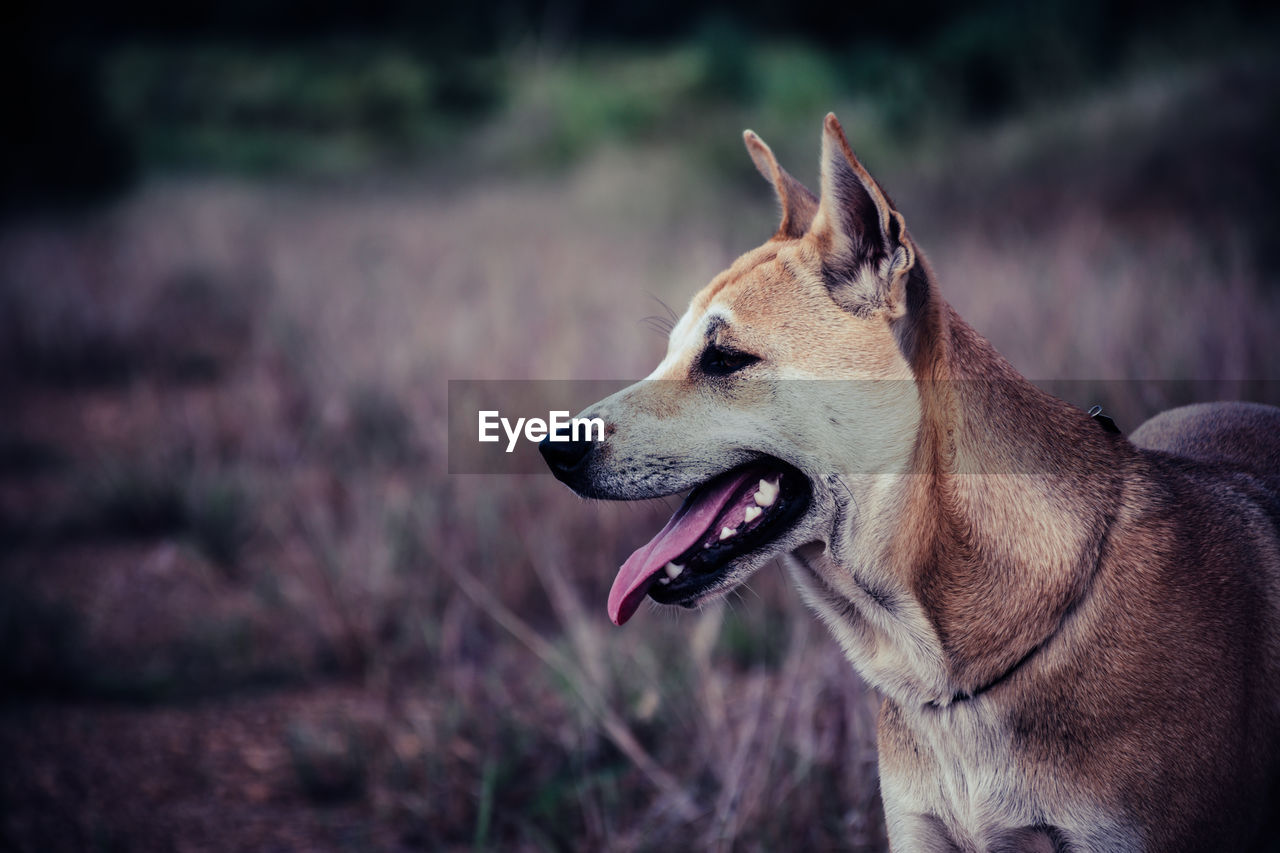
[980, 61]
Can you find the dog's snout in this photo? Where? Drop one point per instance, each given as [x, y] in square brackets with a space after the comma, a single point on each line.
[563, 454]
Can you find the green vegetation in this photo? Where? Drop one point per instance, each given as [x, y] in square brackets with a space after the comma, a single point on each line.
[338, 107]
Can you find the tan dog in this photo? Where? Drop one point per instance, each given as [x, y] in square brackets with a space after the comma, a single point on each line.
[1076, 635]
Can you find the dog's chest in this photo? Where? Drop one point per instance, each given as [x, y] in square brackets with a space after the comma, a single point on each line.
[976, 788]
[961, 784]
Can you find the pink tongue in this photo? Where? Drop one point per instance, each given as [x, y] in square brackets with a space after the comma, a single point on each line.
[686, 527]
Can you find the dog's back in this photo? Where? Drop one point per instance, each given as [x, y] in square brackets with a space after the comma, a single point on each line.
[1242, 435]
[1230, 453]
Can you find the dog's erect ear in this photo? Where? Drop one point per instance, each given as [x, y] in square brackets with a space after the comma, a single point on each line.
[798, 204]
[866, 252]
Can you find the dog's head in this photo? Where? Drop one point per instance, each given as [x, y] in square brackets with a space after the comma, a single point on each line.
[786, 390]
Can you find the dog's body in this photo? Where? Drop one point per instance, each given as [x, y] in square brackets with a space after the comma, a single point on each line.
[1077, 635]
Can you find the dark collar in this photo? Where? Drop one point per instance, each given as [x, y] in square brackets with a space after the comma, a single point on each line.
[965, 696]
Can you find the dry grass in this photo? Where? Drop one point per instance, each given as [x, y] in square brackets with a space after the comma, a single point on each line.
[452, 679]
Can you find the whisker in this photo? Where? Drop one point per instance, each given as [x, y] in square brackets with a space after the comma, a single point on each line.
[675, 318]
[661, 325]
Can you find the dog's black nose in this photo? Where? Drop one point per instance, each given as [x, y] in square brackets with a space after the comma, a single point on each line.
[564, 454]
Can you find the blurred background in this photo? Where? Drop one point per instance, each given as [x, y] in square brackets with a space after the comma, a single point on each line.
[243, 247]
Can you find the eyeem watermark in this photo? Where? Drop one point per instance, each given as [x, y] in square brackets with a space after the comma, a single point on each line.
[494, 425]
[558, 426]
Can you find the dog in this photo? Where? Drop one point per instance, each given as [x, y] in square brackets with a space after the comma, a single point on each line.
[1076, 634]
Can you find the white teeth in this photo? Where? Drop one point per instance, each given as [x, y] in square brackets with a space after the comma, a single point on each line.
[767, 494]
[752, 513]
[664, 581]
[726, 532]
[673, 571]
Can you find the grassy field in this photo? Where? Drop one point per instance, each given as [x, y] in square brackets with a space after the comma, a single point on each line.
[243, 605]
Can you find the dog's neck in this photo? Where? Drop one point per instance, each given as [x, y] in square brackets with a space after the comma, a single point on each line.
[941, 580]
[1010, 514]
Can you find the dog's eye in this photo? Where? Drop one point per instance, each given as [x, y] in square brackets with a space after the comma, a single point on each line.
[717, 361]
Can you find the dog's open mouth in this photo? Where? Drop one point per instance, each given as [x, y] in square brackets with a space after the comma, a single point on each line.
[732, 515]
